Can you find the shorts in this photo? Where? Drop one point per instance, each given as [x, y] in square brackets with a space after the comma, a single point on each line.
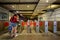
[10, 28]
[13, 24]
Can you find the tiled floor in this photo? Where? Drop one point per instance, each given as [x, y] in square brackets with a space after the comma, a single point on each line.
[31, 36]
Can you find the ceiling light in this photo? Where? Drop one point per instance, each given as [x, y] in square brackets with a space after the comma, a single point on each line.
[17, 11]
[47, 1]
[13, 6]
[28, 6]
[52, 6]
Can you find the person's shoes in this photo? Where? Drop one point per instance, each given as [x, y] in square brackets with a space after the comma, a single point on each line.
[16, 35]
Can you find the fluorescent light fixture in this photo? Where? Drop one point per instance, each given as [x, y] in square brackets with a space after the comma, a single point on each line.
[27, 6]
[47, 1]
[52, 6]
[13, 6]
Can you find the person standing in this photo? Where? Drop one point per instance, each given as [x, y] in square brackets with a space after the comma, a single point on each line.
[21, 22]
[28, 26]
[13, 25]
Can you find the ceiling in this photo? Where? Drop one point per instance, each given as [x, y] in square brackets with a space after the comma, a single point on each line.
[29, 7]
[25, 7]
[19, 0]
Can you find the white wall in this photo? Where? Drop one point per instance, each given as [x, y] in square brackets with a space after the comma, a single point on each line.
[55, 15]
[2, 10]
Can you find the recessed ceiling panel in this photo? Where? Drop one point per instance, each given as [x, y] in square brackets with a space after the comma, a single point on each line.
[9, 1]
[52, 6]
[28, 0]
[18, 0]
[24, 7]
[26, 12]
[40, 7]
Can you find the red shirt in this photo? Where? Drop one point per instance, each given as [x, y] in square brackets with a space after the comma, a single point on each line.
[23, 23]
[41, 23]
[13, 19]
[34, 23]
